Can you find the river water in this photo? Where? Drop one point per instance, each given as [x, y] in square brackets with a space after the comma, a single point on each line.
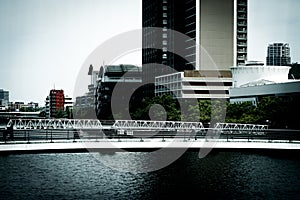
[220, 175]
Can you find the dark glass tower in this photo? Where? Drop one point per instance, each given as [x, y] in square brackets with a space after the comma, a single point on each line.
[217, 26]
[159, 44]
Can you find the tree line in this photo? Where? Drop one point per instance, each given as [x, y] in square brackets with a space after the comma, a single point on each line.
[277, 112]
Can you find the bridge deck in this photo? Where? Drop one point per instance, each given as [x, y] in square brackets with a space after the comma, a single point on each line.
[38, 135]
[146, 145]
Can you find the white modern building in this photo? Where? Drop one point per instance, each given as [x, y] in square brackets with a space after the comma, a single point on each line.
[250, 83]
[194, 84]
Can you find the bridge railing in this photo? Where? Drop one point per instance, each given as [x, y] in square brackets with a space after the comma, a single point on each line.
[43, 129]
[157, 125]
[235, 127]
[19, 124]
[83, 124]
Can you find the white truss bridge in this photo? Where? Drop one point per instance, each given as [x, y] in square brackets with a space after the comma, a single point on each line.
[240, 127]
[21, 124]
[93, 124]
[157, 125]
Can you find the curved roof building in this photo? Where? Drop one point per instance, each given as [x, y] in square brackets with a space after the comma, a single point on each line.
[250, 83]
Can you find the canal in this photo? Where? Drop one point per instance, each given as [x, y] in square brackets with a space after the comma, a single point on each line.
[220, 175]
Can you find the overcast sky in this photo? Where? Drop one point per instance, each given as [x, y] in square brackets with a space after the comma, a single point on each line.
[45, 42]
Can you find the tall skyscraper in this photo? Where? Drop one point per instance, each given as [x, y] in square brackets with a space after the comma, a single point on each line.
[218, 26]
[278, 54]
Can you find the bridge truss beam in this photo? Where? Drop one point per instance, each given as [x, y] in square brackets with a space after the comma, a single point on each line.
[132, 125]
[240, 127]
[157, 125]
[55, 124]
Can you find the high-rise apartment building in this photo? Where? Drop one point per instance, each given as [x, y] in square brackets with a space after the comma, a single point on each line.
[55, 102]
[278, 54]
[219, 27]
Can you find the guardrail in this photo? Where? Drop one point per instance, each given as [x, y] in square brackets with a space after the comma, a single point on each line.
[19, 124]
[90, 129]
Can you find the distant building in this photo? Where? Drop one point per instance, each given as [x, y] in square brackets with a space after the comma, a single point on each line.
[4, 98]
[33, 105]
[195, 84]
[18, 105]
[87, 101]
[21, 106]
[278, 55]
[69, 104]
[57, 101]
[82, 102]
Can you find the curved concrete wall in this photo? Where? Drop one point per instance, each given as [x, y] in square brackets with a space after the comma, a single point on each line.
[242, 75]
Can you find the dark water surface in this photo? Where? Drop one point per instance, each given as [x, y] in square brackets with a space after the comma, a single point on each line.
[222, 175]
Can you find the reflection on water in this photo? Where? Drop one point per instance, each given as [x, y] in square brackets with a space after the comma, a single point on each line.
[229, 175]
[140, 162]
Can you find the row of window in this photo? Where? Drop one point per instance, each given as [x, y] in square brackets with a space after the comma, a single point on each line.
[205, 91]
[207, 83]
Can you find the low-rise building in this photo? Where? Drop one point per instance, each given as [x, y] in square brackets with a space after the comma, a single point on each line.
[196, 84]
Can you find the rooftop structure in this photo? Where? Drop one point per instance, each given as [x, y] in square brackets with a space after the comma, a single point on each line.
[256, 74]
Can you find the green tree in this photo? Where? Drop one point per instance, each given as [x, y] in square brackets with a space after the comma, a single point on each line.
[60, 114]
[273, 109]
[42, 114]
[205, 110]
[170, 105]
[167, 102]
[242, 113]
[27, 109]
